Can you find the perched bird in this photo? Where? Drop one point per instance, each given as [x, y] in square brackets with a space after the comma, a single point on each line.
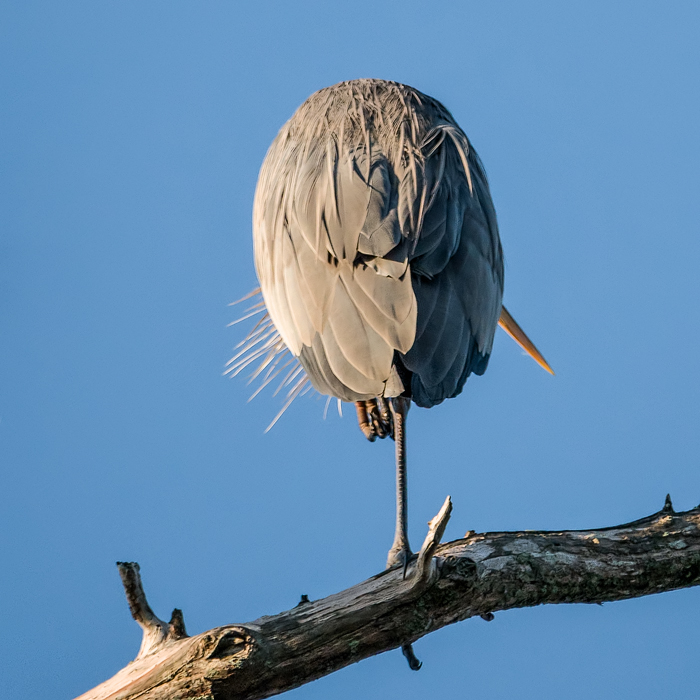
[379, 260]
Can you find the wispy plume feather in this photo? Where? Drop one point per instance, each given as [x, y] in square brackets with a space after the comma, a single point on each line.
[264, 345]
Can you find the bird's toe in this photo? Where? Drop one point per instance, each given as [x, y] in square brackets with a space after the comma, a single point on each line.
[400, 555]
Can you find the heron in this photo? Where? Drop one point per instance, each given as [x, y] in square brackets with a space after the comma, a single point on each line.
[379, 260]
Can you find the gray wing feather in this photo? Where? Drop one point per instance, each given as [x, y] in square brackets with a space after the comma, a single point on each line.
[459, 294]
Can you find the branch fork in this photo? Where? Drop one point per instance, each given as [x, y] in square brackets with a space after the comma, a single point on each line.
[156, 632]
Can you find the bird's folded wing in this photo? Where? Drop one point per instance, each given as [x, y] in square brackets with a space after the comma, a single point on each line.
[330, 261]
[457, 273]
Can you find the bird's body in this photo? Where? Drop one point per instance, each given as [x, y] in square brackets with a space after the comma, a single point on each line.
[379, 260]
[376, 245]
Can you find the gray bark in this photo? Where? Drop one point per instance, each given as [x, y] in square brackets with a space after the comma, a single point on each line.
[478, 575]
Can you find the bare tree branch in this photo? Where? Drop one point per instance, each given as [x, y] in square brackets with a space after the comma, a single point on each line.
[478, 575]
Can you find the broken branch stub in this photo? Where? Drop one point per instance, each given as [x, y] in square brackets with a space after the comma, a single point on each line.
[425, 569]
[156, 632]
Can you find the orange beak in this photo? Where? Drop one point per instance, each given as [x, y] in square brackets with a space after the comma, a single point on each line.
[509, 325]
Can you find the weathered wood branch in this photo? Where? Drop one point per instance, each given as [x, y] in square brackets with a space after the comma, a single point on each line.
[478, 575]
[156, 633]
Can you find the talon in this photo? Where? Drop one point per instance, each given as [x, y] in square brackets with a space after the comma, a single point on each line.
[363, 421]
[374, 418]
[385, 413]
[373, 413]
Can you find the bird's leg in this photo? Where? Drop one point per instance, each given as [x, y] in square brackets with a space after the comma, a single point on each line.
[400, 551]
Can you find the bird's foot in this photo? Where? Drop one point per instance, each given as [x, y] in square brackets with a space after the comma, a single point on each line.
[399, 555]
[375, 419]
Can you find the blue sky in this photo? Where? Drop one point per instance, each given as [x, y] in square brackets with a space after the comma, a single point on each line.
[132, 134]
